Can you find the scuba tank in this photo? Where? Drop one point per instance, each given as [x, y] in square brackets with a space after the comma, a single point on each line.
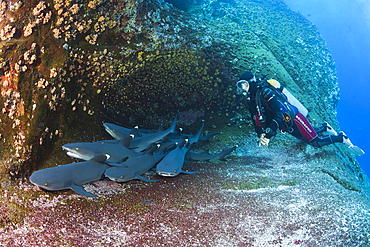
[291, 99]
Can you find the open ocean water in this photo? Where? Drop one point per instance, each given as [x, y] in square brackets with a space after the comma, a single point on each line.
[345, 25]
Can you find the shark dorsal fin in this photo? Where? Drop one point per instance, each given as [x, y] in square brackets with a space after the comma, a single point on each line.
[125, 142]
[187, 145]
[160, 129]
[181, 144]
[152, 150]
[100, 158]
[135, 132]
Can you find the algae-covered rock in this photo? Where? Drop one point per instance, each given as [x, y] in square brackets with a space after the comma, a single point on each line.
[67, 66]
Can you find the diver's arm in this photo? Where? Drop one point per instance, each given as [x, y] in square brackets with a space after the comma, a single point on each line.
[253, 112]
[274, 104]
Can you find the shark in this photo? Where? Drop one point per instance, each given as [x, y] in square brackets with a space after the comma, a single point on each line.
[119, 132]
[206, 156]
[177, 135]
[139, 142]
[171, 164]
[179, 138]
[135, 168]
[144, 142]
[117, 152]
[71, 176]
[167, 142]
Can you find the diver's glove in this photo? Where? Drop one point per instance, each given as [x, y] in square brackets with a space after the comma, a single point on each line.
[264, 141]
[269, 133]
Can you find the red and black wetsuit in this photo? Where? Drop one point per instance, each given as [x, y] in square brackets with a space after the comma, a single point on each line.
[278, 114]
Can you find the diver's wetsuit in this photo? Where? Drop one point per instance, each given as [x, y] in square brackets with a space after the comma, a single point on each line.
[276, 117]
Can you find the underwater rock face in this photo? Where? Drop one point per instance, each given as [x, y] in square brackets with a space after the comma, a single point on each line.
[66, 66]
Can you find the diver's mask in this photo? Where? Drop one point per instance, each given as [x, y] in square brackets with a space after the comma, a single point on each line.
[243, 86]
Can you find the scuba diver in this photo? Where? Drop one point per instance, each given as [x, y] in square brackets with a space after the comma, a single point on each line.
[273, 108]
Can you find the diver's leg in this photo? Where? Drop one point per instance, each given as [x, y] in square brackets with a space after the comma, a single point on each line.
[304, 128]
[321, 141]
[325, 127]
[319, 129]
[341, 138]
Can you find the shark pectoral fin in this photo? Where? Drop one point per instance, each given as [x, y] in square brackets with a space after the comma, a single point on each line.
[147, 179]
[101, 158]
[186, 172]
[124, 159]
[80, 190]
[117, 164]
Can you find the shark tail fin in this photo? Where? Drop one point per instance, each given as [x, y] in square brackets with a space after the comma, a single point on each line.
[221, 156]
[173, 125]
[209, 136]
[196, 138]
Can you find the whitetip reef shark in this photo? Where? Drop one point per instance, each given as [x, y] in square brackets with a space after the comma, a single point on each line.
[171, 164]
[120, 132]
[135, 168]
[140, 143]
[117, 152]
[71, 176]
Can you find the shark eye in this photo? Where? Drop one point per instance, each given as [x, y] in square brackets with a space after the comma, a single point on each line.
[121, 176]
[77, 149]
[45, 184]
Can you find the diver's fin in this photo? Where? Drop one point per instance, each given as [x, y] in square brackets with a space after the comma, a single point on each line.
[356, 150]
[352, 148]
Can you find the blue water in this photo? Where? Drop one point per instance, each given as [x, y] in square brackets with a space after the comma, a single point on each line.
[345, 25]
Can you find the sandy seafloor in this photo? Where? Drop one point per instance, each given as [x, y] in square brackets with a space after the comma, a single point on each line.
[259, 197]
